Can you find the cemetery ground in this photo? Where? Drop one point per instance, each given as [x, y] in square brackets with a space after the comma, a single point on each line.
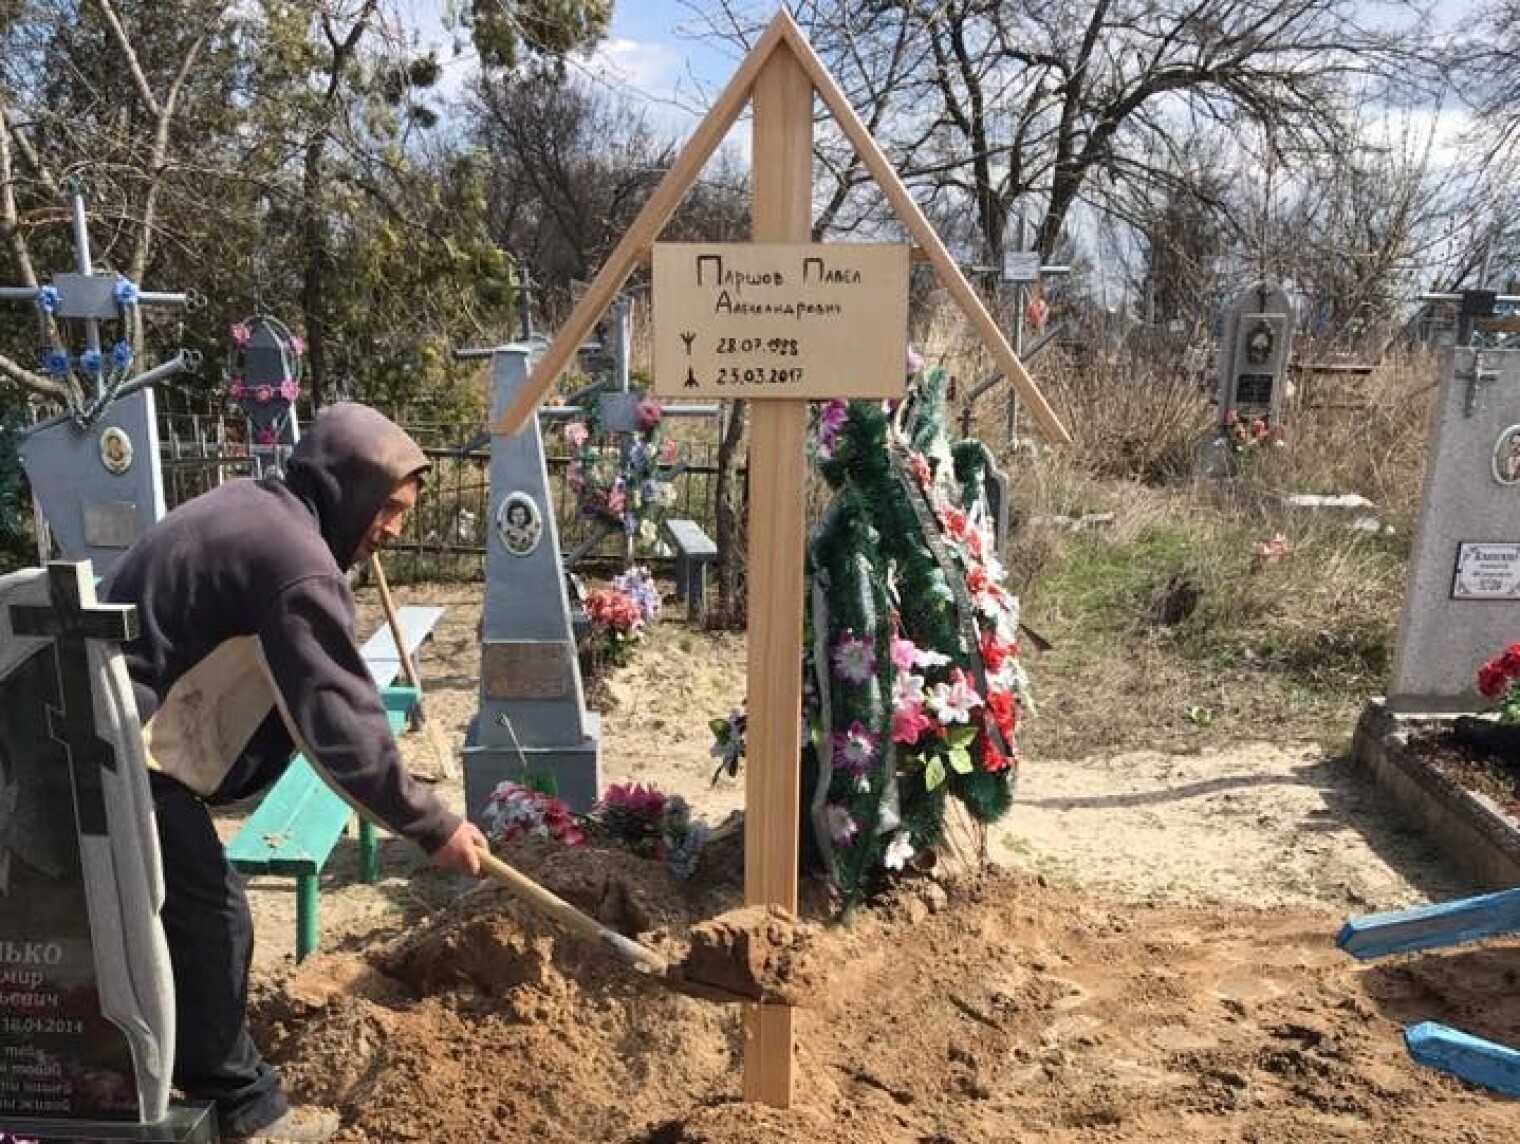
[1153, 961]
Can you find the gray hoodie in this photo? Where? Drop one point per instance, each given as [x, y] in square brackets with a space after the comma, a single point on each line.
[247, 650]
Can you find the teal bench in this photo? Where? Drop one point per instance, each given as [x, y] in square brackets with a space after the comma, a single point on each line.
[299, 821]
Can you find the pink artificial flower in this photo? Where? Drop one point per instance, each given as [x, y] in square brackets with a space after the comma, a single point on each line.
[240, 333]
[915, 361]
[903, 653]
[576, 434]
[290, 389]
[262, 394]
[909, 722]
[952, 702]
[855, 749]
[855, 659]
[842, 828]
[669, 451]
[297, 344]
[237, 390]
[648, 413]
[264, 437]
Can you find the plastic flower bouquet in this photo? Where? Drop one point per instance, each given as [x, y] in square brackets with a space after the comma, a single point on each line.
[652, 824]
[1499, 680]
[516, 811]
[617, 624]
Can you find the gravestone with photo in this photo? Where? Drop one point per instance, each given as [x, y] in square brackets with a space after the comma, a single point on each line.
[1255, 342]
[1254, 347]
[94, 468]
[532, 726]
[1462, 596]
[86, 993]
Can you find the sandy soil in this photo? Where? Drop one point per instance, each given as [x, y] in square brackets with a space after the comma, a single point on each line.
[1154, 961]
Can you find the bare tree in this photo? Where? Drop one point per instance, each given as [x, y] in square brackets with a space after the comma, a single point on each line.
[109, 115]
[1000, 107]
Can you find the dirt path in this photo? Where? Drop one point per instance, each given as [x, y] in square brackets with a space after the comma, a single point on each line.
[1157, 966]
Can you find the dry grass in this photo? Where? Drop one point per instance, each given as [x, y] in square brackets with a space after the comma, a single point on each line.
[1289, 649]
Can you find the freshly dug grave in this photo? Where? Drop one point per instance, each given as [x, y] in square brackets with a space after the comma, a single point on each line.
[994, 1007]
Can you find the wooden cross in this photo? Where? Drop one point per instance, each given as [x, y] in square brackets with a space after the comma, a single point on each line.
[779, 78]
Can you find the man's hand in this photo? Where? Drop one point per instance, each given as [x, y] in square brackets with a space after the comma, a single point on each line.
[462, 851]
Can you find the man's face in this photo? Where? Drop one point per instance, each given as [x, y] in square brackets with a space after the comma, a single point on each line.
[388, 521]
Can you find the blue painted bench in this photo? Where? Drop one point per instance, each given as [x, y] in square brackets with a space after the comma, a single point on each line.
[299, 821]
[1473, 1059]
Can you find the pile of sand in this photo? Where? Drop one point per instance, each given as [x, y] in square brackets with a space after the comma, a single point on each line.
[987, 1008]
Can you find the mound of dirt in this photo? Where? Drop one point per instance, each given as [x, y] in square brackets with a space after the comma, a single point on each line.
[988, 1008]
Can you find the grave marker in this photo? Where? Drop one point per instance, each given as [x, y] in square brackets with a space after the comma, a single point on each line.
[86, 994]
[265, 385]
[532, 723]
[1462, 595]
[1253, 354]
[94, 470]
[779, 78]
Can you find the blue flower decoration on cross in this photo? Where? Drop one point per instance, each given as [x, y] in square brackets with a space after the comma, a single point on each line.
[47, 299]
[125, 292]
[90, 361]
[56, 362]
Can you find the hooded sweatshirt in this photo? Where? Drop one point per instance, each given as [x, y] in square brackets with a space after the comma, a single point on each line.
[247, 649]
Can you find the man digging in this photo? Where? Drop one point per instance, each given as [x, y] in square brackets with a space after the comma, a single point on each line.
[247, 655]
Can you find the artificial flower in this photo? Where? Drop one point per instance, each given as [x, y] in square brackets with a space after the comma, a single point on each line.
[855, 659]
[855, 750]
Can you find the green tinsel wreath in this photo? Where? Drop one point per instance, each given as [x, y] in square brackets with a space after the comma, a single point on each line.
[891, 566]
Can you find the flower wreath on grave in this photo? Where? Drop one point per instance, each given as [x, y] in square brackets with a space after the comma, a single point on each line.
[623, 479]
[246, 393]
[912, 685]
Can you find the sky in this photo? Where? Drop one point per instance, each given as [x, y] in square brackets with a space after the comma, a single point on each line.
[651, 54]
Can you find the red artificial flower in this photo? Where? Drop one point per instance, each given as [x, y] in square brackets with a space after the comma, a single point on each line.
[954, 521]
[918, 465]
[1004, 709]
[994, 653]
[976, 579]
[610, 608]
[993, 760]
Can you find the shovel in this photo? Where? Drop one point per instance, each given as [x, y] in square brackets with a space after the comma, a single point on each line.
[442, 755]
[625, 949]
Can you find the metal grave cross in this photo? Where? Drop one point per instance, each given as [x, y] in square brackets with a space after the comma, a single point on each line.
[94, 468]
[266, 388]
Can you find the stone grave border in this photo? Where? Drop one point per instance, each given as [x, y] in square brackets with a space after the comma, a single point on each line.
[1476, 833]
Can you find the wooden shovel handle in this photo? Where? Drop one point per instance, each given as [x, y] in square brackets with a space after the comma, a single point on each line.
[408, 668]
[639, 956]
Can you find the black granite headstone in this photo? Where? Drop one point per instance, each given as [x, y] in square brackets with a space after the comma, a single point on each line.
[84, 1032]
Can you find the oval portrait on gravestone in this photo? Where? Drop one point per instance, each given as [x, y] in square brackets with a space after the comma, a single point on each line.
[116, 450]
[1506, 459]
[519, 524]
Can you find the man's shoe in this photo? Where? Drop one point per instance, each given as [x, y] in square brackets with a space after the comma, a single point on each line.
[303, 1124]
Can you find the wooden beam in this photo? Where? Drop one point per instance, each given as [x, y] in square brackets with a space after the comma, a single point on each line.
[907, 210]
[782, 211]
[640, 235]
